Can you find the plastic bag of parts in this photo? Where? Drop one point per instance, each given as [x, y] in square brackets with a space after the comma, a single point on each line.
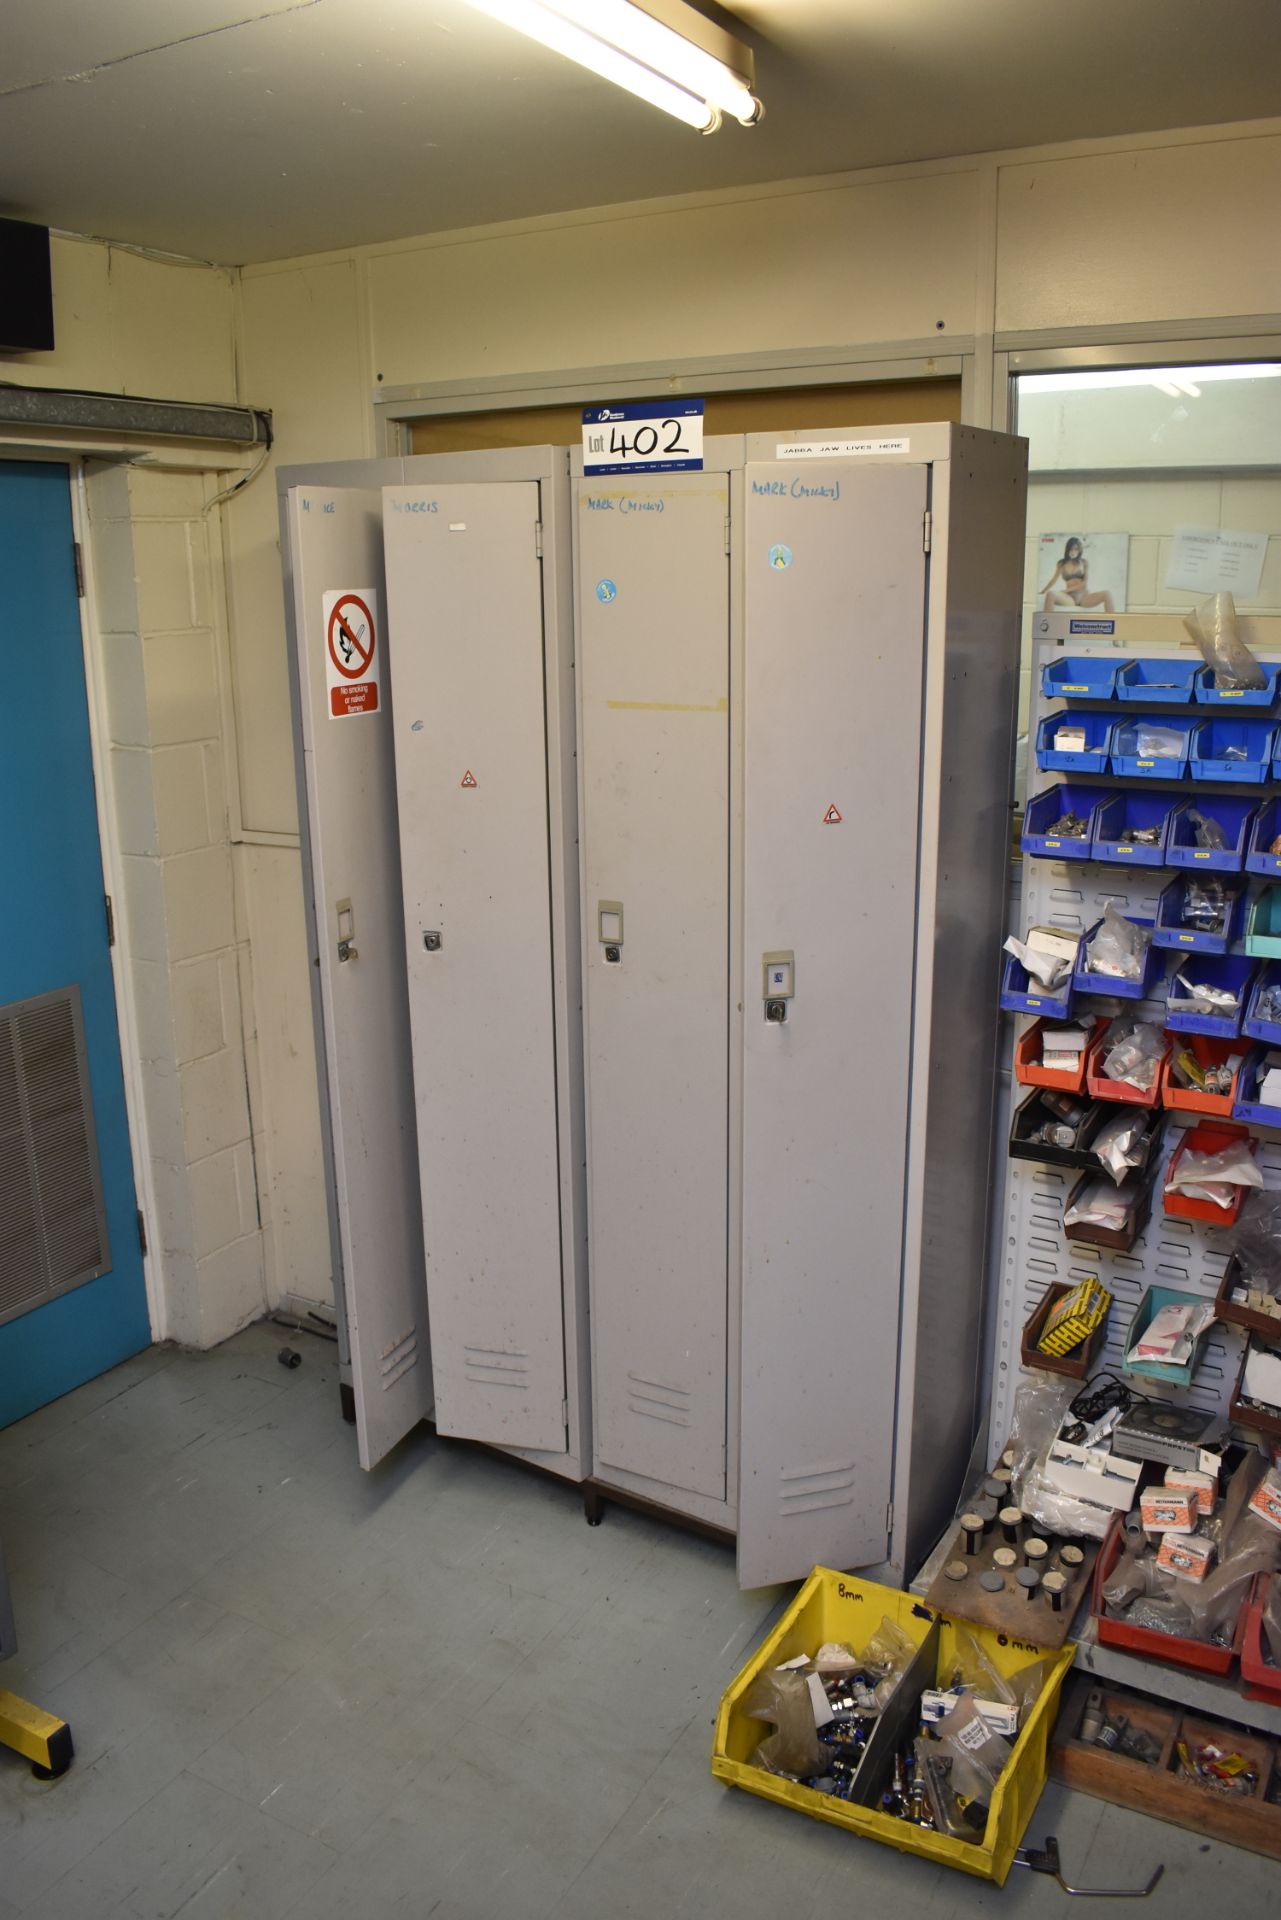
[1206, 998]
[1041, 1403]
[1132, 1052]
[979, 1757]
[782, 1695]
[1102, 1204]
[1159, 743]
[1122, 1143]
[1209, 833]
[892, 1652]
[1172, 1333]
[934, 1768]
[1044, 965]
[835, 1657]
[1255, 1238]
[1205, 904]
[974, 1670]
[1215, 1176]
[1213, 625]
[1119, 948]
[1057, 1512]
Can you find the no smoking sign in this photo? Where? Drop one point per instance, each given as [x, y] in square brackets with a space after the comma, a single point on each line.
[351, 651]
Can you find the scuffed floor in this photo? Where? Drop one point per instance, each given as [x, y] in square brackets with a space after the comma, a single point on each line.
[299, 1689]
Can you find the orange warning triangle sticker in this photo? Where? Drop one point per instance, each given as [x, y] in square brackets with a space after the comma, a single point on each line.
[468, 779]
[832, 818]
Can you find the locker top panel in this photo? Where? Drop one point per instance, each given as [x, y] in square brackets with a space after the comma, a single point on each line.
[493, 463]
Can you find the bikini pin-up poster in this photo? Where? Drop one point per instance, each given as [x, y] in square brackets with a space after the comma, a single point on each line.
[1082, 572]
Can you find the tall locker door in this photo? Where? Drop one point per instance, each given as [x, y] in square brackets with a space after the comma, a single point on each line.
[336, 552]
[464, 582]
[654, 666]
[834, 640]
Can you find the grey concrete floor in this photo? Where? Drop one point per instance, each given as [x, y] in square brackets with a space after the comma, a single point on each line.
[299, 1689]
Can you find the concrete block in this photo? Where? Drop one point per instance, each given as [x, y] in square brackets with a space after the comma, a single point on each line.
[144, 905]
[152, 1009]
[230, 1286]
[155, 494]
[215, 1107]
[125, 684]
[115, 591]
[167, 555]
[215, 1202]
[181, 800]
[132, 799]
[196, 987]
[181, 688]
[198, 903]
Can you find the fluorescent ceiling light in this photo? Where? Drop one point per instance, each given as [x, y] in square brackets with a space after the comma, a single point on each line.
[689, 68]
[1174, 381]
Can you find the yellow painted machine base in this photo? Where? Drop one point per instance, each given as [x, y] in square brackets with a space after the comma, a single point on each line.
[39, 1737]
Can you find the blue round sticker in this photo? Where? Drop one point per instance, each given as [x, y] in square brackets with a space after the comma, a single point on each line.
[780, 557]
[606, 591]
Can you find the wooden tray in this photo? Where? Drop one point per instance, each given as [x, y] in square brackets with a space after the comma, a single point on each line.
[1079, 1363]
[1252, 1821]
[1033, 1621]
[1226, 1308]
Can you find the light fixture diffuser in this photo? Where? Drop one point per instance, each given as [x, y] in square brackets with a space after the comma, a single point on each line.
[671, 56]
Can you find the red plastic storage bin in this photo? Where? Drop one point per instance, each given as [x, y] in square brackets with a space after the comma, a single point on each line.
[1209, 1137]
[1208, 1053]
[1028, 1070]
[1099, 1087]
[1260, 1680]
[1168, 1647]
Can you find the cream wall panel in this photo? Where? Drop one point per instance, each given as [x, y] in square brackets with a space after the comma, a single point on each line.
[300, 356]
[125, 324]
[850, 264]
[1177, 233]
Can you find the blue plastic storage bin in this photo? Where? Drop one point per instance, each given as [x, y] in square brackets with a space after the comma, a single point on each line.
[1080, 677]
[1234, 972]
[1236, 817]
[1098, 743]
[1256, 1024]
[1170, 931]
[1158, 683]
[1263, 932]
[1246, 1107]
[1127, 759]
[1041, 812]
[1084, 981]
[1210, 694]
[1021, 994]
[1122, 810]
[1212, 740]
[1265, 828]
[1153, 1300]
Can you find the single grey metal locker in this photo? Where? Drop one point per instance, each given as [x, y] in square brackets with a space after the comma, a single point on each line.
[352, 858]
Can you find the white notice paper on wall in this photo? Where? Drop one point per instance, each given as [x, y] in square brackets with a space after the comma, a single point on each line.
[1210, 560]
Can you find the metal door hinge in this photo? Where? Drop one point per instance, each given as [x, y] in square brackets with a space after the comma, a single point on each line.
[564, 1414]
[927, 540]
[111, 919]
[538, 538]
[142, 1232]
[78, 561]
[889, 1519]
[727, 532]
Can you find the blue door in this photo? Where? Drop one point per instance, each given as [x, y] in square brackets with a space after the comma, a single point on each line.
[72, 1295]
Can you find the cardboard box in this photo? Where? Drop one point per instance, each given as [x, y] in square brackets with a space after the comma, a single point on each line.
[1167, 1510]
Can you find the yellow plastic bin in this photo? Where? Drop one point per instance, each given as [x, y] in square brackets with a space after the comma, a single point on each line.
[835, 1606]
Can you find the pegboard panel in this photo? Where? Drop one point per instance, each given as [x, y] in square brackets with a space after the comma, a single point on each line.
[1171, 1253]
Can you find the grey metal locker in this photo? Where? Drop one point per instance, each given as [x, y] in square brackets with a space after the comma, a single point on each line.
[881, 613]
[351, 851]
[834, 619]
[347, 800]
[465, 601]
[653, 579]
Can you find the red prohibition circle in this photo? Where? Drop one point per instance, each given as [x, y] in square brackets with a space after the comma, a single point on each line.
[337, 619]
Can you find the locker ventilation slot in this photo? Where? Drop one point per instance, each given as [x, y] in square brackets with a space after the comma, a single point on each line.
[810, 1489]
[657, 1401]
[53, 1233]
[497, 1367]
[395, 1361]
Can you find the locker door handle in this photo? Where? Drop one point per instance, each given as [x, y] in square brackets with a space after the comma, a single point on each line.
[778, 984]
[609, 928]
[347, 949]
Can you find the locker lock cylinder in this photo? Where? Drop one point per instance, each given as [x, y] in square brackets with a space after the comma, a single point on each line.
[777, 975]
[432, 942]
